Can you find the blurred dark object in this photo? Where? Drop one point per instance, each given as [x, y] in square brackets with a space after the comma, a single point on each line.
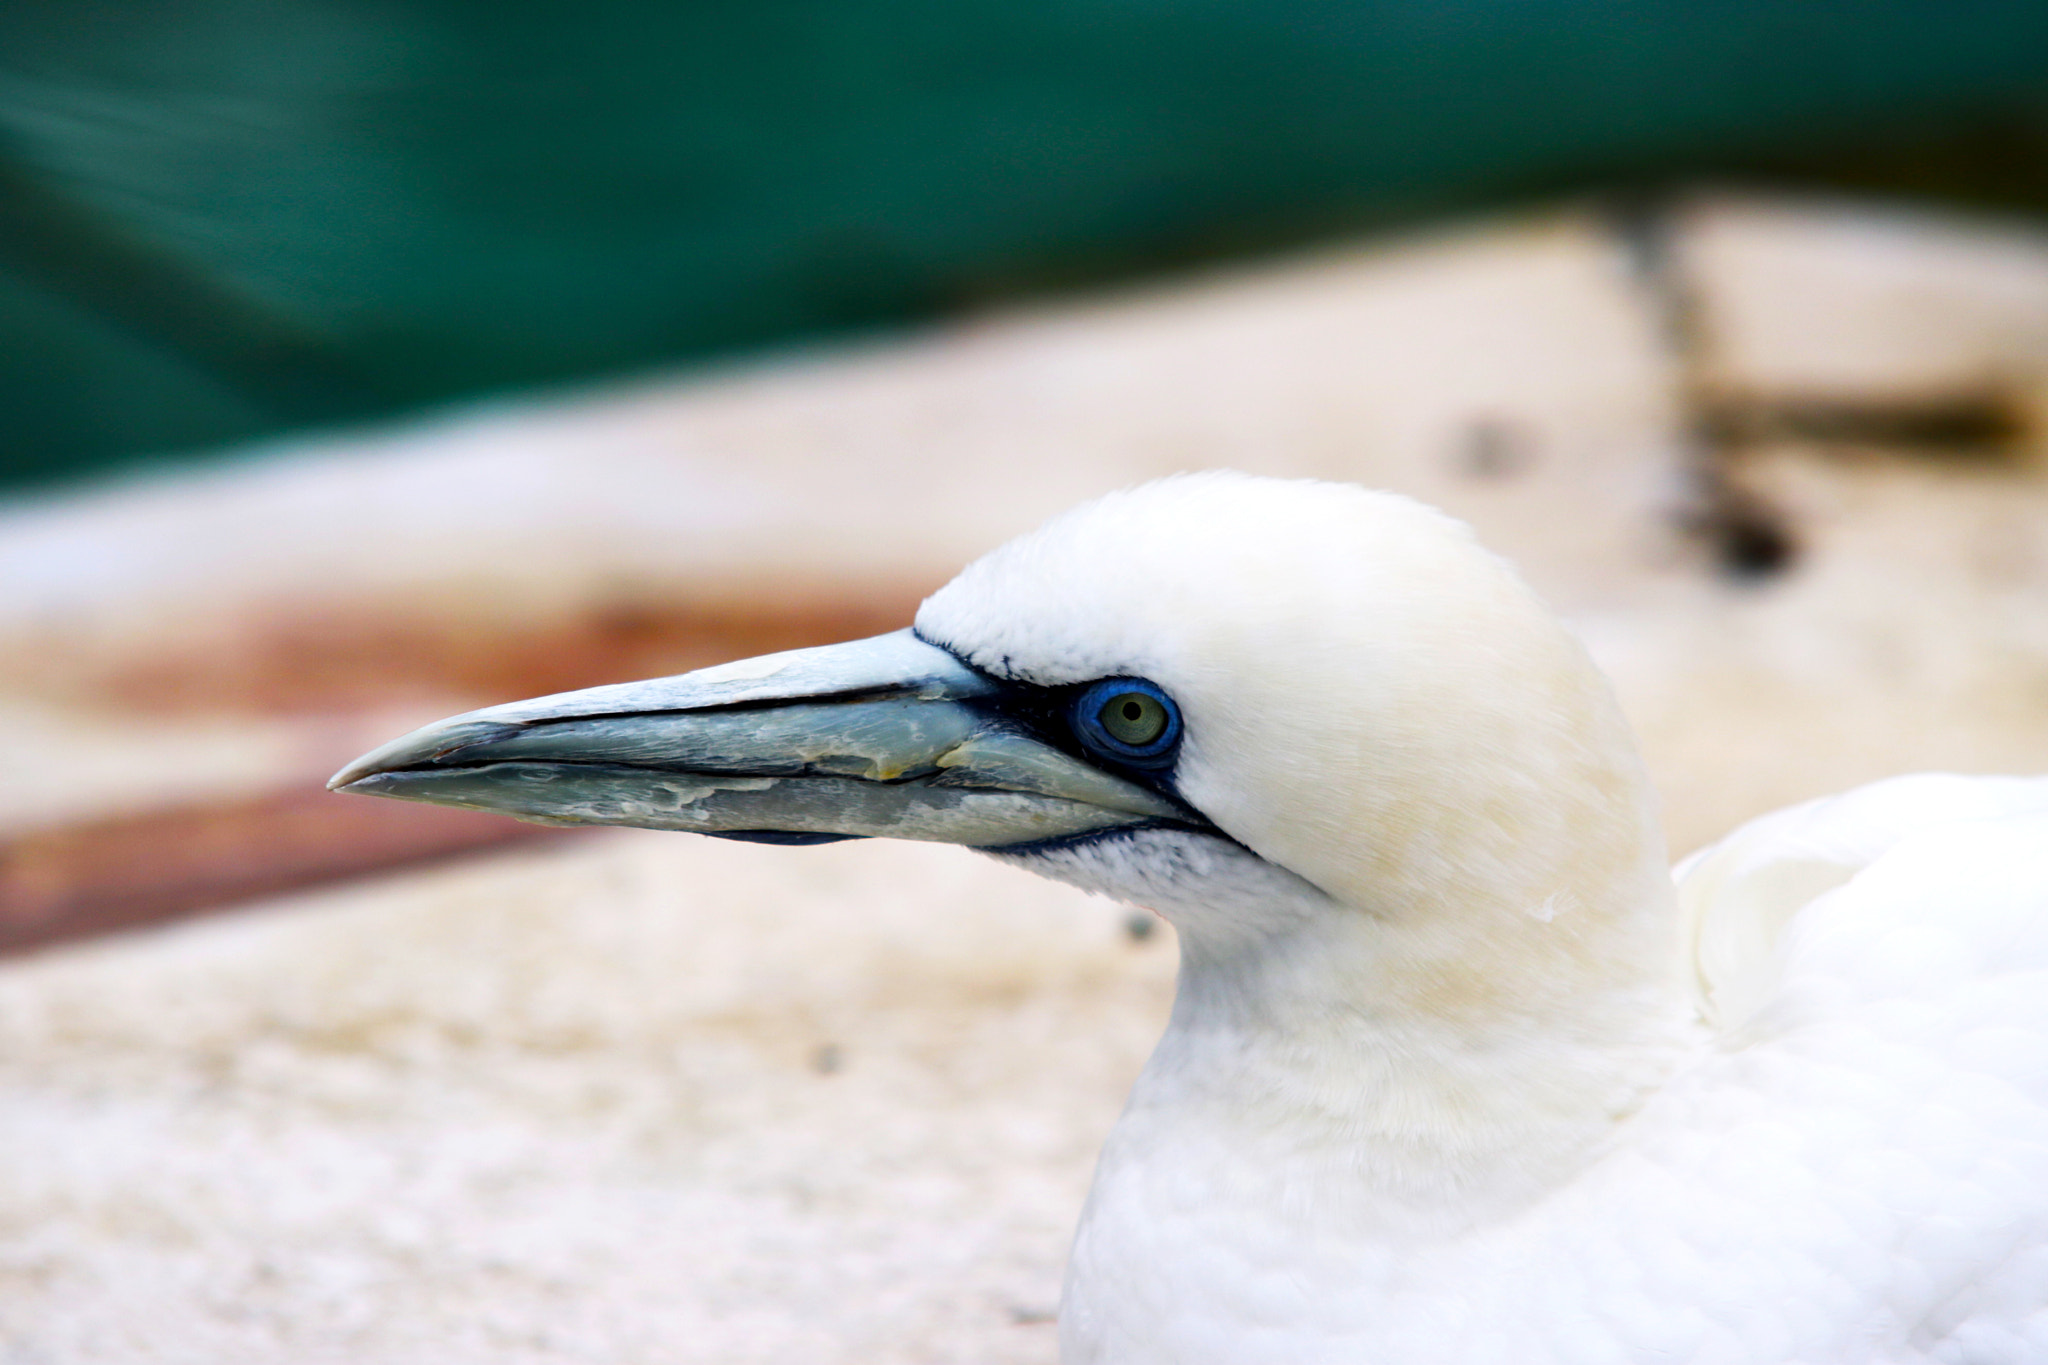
[223, 218]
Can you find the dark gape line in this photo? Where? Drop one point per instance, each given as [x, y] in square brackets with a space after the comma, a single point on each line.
[776, 836]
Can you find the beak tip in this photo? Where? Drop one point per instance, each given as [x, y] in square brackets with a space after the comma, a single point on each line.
[351, 777]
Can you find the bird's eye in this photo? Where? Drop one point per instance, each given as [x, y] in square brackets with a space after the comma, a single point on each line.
[1133, 718]
[1128, 719]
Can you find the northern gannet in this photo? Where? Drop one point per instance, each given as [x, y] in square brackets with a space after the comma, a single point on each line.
[1455, 1072]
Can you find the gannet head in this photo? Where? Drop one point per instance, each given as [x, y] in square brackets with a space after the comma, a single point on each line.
[1246, 702]
[1385, 797]
[1363, 697]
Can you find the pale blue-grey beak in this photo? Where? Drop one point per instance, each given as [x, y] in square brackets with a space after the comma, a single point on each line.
[888, 736]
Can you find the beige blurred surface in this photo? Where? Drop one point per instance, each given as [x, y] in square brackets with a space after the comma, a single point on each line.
[652, 1098]
[649, 1099]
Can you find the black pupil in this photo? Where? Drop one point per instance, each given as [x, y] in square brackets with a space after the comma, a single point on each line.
[1132, 710]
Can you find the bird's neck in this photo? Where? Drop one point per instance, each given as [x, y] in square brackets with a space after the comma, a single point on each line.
[1340, 1063]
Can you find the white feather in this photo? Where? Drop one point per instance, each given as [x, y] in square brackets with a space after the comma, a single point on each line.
[1452, 1074]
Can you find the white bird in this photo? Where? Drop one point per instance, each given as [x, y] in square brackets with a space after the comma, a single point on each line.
[1455, 1072]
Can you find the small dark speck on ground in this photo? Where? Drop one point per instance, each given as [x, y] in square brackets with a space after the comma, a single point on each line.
[828, 1059]
[1023, 1316]
[1493, 448]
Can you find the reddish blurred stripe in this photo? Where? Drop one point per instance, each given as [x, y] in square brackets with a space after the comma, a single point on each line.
[340, 657]
[127, 871]
[327, 661]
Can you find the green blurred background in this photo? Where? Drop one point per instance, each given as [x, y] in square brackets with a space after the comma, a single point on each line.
[221, 219]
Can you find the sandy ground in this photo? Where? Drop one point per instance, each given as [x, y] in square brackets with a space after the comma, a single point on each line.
[652, 1099]
[647, 1098]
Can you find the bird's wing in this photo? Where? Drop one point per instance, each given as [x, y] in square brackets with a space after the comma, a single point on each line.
[1857, 1167]
[1738, 897]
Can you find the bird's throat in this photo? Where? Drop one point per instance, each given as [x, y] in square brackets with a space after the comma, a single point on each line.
[1351, 1056]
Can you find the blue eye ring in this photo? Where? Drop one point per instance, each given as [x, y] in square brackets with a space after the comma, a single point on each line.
[1129, 720]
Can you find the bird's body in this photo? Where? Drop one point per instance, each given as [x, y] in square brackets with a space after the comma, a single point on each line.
[1453, 1073]
[1856, 1172]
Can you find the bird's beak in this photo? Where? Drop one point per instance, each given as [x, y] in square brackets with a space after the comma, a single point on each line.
[882, 737]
